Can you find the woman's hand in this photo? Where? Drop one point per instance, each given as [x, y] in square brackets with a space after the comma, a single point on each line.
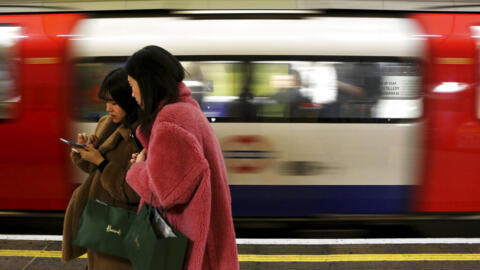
[90, 154]
[83, 138]
[137, 157]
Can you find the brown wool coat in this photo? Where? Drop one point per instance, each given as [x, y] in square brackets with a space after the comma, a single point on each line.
[110, 187]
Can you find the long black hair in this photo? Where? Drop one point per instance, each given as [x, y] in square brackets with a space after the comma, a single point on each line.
[115, 86]
[157, 73]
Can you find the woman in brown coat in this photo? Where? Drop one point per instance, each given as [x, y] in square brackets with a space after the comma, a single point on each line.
[106, 159]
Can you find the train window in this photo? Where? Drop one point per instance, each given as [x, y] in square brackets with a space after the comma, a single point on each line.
[307, 91]
[10, 97]
[476, 35]
[87, 105]
[214, 84]
[291, 91]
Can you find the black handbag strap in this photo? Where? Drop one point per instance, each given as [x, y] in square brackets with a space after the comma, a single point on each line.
[127, 201]
[159, 208]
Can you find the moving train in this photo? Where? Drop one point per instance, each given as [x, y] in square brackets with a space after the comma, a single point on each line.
[316, 113]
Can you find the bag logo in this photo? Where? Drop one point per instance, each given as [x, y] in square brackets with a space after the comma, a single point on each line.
[109, 229]
[136, 242]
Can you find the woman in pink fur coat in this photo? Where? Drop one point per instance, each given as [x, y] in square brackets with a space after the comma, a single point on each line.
[182, 163]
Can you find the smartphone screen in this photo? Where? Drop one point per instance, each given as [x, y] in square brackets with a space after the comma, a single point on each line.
[71, 143]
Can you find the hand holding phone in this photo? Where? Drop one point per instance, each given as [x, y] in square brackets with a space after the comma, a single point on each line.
[73, 144]
[87, 151]
[83, 138]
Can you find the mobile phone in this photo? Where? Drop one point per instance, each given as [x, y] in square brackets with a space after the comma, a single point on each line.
[72, 143]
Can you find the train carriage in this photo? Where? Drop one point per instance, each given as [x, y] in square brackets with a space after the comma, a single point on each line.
[316, 115]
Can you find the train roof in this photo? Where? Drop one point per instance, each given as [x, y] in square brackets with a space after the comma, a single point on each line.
[326, 36]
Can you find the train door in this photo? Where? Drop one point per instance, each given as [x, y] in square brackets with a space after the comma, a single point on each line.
[34, 108]
[452, 131]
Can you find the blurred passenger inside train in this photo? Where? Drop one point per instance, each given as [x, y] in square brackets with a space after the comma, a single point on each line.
[195, 81]
[243, 109]
[106, 159]
[358, 88]
[329, 90]
[182, 164]
[289, 94]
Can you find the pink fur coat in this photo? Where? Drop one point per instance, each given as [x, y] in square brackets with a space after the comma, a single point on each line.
[185, 171]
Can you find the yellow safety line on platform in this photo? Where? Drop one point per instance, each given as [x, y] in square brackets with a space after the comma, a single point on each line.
[32, 253]
[292, 258]
[359, 257]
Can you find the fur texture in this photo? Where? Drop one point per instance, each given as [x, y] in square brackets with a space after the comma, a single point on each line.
[110, 187]
[186, 173]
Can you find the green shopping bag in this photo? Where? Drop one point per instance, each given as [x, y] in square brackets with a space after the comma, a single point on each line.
[152, 244]
[103, 228]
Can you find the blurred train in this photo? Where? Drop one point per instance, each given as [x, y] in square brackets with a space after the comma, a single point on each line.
[316, 113]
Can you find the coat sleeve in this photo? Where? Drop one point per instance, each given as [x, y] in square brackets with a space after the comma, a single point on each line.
[73, 214]
[81, 163]
[172, 171]
[77, 158]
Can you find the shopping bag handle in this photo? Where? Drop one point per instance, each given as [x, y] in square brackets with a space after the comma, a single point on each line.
[160, 208]
[150, 206]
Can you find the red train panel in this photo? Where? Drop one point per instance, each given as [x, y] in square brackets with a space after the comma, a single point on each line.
[452, 157]
[34, 165]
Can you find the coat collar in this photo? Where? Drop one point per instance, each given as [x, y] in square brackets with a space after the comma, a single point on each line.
[183, 90]
[121, 133]
[185, 95]
[124, 131]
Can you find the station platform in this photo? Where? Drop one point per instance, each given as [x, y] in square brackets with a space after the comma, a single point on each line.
[32, 252]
